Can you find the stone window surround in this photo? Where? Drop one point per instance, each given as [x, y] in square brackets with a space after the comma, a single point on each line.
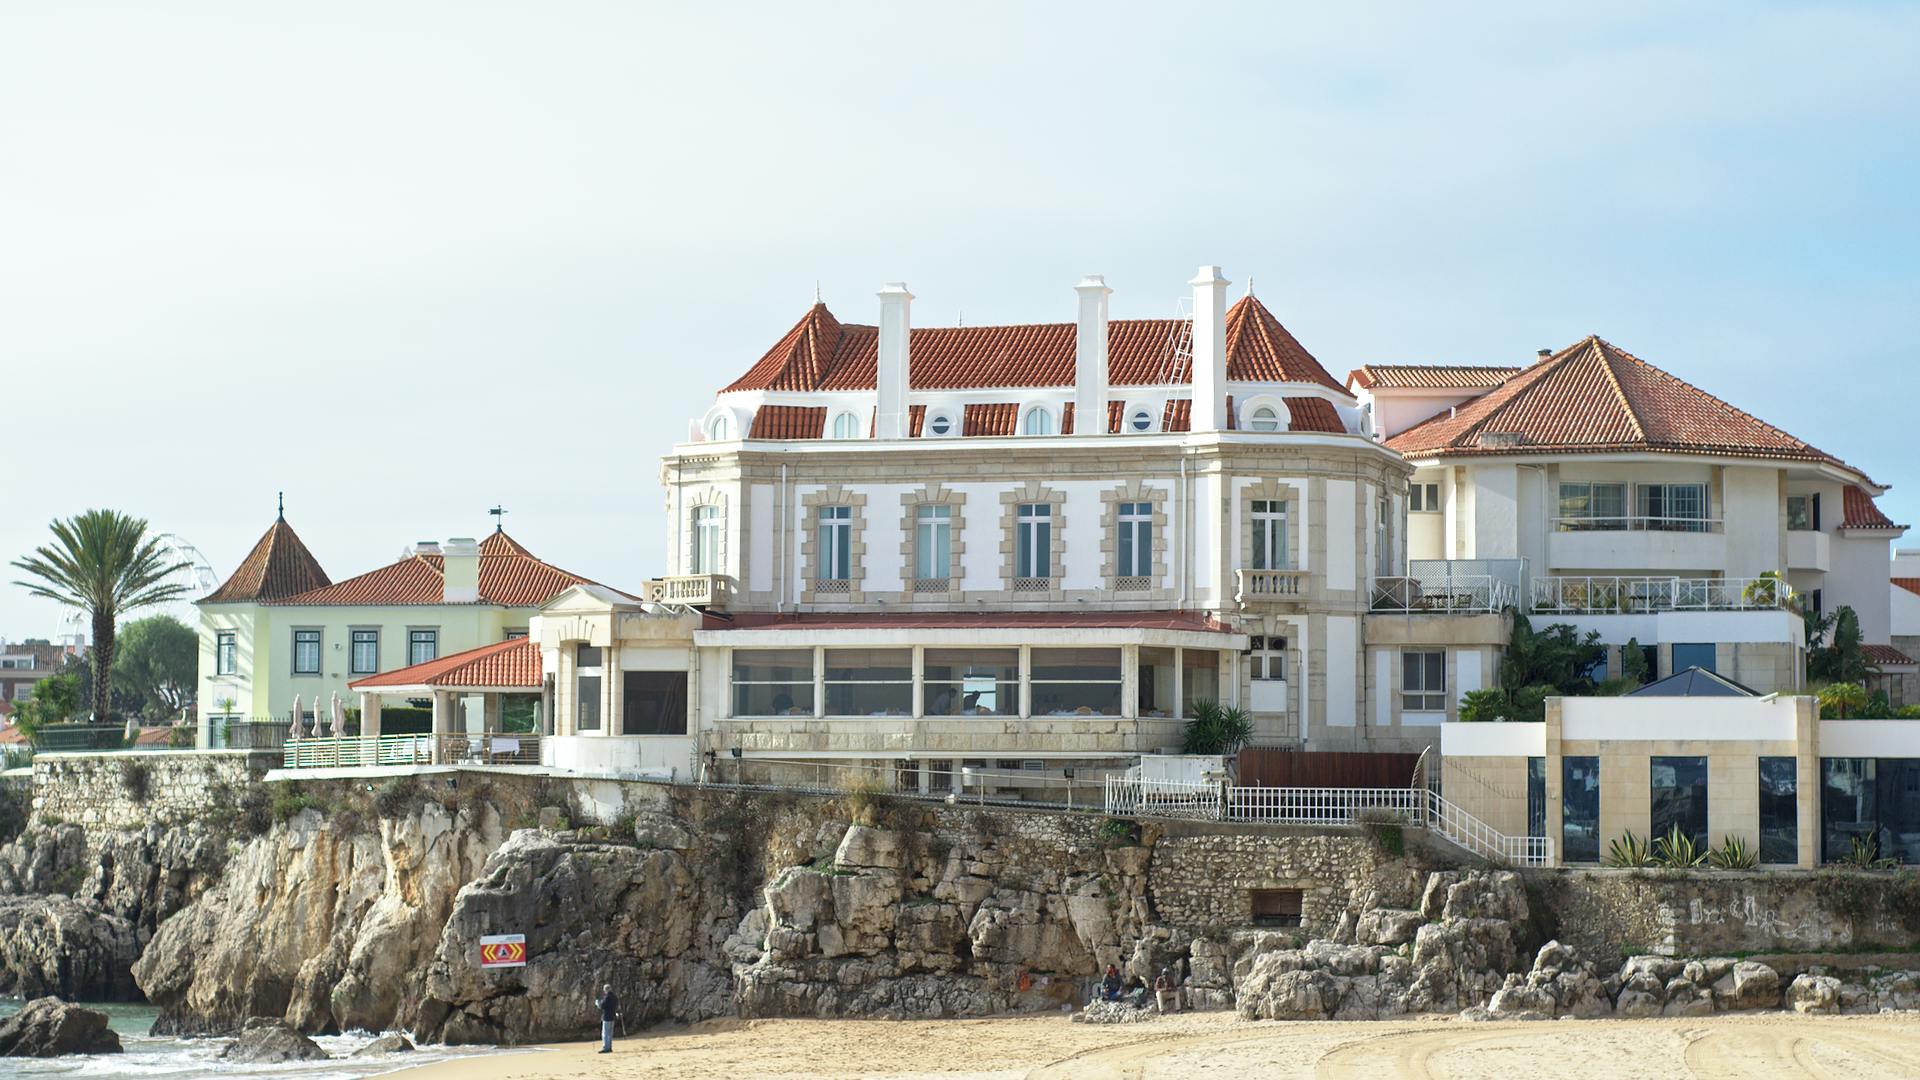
[810, 506]
[1033, 491]
[714, 497]
[1110, 500]
[1265, 489]
[910, 503]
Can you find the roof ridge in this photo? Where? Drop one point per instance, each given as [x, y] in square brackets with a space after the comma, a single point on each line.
[1716, 399]
[1604, 348]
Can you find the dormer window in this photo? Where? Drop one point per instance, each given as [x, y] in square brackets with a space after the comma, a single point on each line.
[1140, 420]
[1264, 418]
[720, 428]
[846, 426]
[1037, 421]
[940, 423]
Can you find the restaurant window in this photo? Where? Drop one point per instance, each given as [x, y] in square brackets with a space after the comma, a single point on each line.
[706, 540]
[1679, 798]
[1154, 682]
[366, 652]
[1133, 540]
[1423, 681]
[1779, 810]
[1846, 806]
[226, 653]
[1076, 682]
[1673, 507]
[1693, 654]
[422, 646]
[1593, 506]
[773, 682]
[586, 682]
[833, 559]
[1270, 534]
[306, 652]
[970, 682]
[869, 682]
[932, 543]
[653, 703]
[1033, 541]
[1580, 809]
[1276, 907]
[1199, 678]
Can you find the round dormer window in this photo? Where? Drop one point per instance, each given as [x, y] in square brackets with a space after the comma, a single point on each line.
[940, 423]
[720, 428]
[1038, 421]
[1141, 420]
[1264, 418]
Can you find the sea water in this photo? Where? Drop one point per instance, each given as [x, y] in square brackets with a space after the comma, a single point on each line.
[159, 1057]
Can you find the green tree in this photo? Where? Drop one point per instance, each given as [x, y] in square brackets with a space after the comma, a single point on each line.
[1844, 657]
[55, 699]
[155, 667]
[1214, 729]
[1538, 664]
[1839, 699]
[104, 563]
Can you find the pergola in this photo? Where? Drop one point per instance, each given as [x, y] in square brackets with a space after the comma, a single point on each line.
[491, 672]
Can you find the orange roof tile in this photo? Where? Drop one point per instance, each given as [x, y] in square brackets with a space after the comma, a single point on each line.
[1911, 584]
[279, 565]
[997, 418]
[1429, 376]
[1861, 512]
[1303, 414]
[1886, 656]
[512, 663]
[1115, 411]
[509, 576]
[822, 353]
[788, 422]
[1593, 397]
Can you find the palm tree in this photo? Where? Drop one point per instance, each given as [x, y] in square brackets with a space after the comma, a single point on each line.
[104, 563]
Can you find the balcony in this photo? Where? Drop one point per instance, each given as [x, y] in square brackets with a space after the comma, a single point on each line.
[1451, 587]
[693, 590]
[1269, 586]
[1808, 549]
[1639, 595]
[1637, 543]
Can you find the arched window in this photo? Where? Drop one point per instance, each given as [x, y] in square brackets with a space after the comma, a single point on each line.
[846, 426]
[940, 423]
[1038, 421]
[1264, 418]
[706, 540]
[1141, 420]
[720, 428]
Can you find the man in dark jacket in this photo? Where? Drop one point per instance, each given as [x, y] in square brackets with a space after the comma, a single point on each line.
[609, 1012]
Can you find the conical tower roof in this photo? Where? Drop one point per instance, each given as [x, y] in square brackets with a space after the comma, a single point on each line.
[279, 565]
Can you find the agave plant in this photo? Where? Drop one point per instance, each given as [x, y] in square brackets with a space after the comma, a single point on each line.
[1866, 854]
[1677, 851]
[1733, 854]
[1628, 850]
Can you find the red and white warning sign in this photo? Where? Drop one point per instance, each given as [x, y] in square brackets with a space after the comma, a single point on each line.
[503, 951]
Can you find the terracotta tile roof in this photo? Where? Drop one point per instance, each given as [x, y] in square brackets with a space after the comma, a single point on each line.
[997, 418]
[1115, 411]
[1592, 397]
[279, 565]
[1886, 656]
[1911, 584]
[1004, 620]
[514, 663]
[509, 576]
[1429, 376]
[788, 422]
[822, 353]
[1303, 414]
[1861, 512]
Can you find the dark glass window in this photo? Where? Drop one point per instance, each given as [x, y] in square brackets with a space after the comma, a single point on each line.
[1846, 804]
[366, 652]
[654, 703]
[1779, 811]
[1580, 809]
[1652, 653]
[1680, 797]
[226, 653]
[1896, 790]
[1536, 796]
[422, 646]
[1698, 655]
[587, 708]
[306, 652]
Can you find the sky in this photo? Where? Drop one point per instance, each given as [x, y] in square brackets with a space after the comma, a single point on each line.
[405, 262]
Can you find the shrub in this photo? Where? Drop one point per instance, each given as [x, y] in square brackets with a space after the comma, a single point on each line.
[289, 800]
[1479, 706]
[1865, 854]
[1387, 830]
[1214, 729]
[1676, 851]
[865, 801]
[1629, 850]
[1733, 854]
[136, 778]
[397, 796]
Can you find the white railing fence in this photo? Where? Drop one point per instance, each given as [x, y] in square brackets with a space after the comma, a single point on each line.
[1609, 595]
[1268, 584]
[360, 751]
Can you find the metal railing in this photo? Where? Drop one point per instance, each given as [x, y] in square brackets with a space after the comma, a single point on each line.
[1319, 806]
[1627, 595]
[1464, 594]
[1637, 523]
[1142, 797]
[253, 733]
[371, 751]
[72, 738]
[1258, 585]
[1477, 836]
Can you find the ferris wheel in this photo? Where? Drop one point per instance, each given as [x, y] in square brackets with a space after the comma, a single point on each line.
[191, 571]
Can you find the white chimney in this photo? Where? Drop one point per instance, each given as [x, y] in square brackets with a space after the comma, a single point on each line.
[1090, 357]
[460, 571]
[1209, 350]
[890, 375]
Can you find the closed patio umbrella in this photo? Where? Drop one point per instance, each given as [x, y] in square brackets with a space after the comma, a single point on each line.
[339, 717]
[293, 733]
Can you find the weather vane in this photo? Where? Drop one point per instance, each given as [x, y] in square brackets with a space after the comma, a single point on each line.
[499, 517]
[281, 511]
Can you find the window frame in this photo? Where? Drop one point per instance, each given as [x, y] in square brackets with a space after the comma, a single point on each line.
[1423, 498]
[1271, 544]
[704, 556]
[1422, 698]
[589, 667]
[1037, 417]
[417, 636]
[1037, 654]
[1269, 422]
[845, 686]
[1033, 525]
[355, 638]
[833, 543]
[806, 685]
[304, 636]
[226, 652]
[932, 542]
[1133, 539]
[1005, 680]
[848, 421]
[937, 416]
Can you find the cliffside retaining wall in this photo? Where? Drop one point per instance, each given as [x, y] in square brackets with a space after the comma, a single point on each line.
[134, 788]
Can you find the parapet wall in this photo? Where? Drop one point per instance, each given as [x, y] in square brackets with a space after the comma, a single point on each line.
[130, 789]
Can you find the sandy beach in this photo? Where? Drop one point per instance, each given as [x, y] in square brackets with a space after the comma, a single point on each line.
[1219, 1046]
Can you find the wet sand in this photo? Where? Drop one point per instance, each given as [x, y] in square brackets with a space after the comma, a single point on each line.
[1219, 1046]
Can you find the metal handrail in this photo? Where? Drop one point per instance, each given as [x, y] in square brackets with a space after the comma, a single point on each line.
[370, 751]
[1609, 595]
[1637, 523]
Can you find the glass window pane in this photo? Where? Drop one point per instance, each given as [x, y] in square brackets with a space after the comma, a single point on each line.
[971, 682]
[1155, 682]
[1779, 810]
[587, 703]
[1693, 654]
[1076, 664]
[1896, 790]
[1679, 797]
[1847, 810]
[1199, 678]
[1536, 797]
[869, 682]
[1580, 809]
[1070, 682]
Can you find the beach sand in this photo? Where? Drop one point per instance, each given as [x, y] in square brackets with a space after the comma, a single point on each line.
[1219, 1046]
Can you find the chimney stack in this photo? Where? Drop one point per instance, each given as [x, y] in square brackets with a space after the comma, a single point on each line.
[1541, 354]
[1209, 350]
[1090, 357]
[895, 362]
[460, 571]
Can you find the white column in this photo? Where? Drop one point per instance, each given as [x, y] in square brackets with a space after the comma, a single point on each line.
[370, 715]
[1209, 350]
[1090, 357]
[894, 361]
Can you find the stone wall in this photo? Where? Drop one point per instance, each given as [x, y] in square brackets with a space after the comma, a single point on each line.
[132, 789]
[1705, 913]
[1202, 880]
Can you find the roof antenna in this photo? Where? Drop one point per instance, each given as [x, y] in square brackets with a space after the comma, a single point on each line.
[1249, 284]
[280, 514]
[963, 316]
[499, 517]
[816, 290]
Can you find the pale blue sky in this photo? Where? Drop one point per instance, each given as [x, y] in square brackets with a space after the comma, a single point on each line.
[407, 261]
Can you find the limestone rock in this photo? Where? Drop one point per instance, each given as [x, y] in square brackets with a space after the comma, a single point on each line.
[49, 1027]
[1272, 992]
[1387, 926]
[271, 1042]
[55, 945]
[392, 1043]
[1810, 993]
[881, 849]
[1747, 985]
[1112, 1012]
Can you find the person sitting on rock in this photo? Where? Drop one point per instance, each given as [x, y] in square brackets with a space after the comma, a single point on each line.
[1166, 991]
[1110, 984]
[1137, 992]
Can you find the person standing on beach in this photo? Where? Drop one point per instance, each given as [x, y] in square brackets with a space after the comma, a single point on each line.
[609, 1012]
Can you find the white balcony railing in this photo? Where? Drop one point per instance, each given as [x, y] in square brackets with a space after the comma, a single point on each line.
[1634, 595]
[1467, 594]
[1258, 586]
[1637, 523]
[694, 590]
